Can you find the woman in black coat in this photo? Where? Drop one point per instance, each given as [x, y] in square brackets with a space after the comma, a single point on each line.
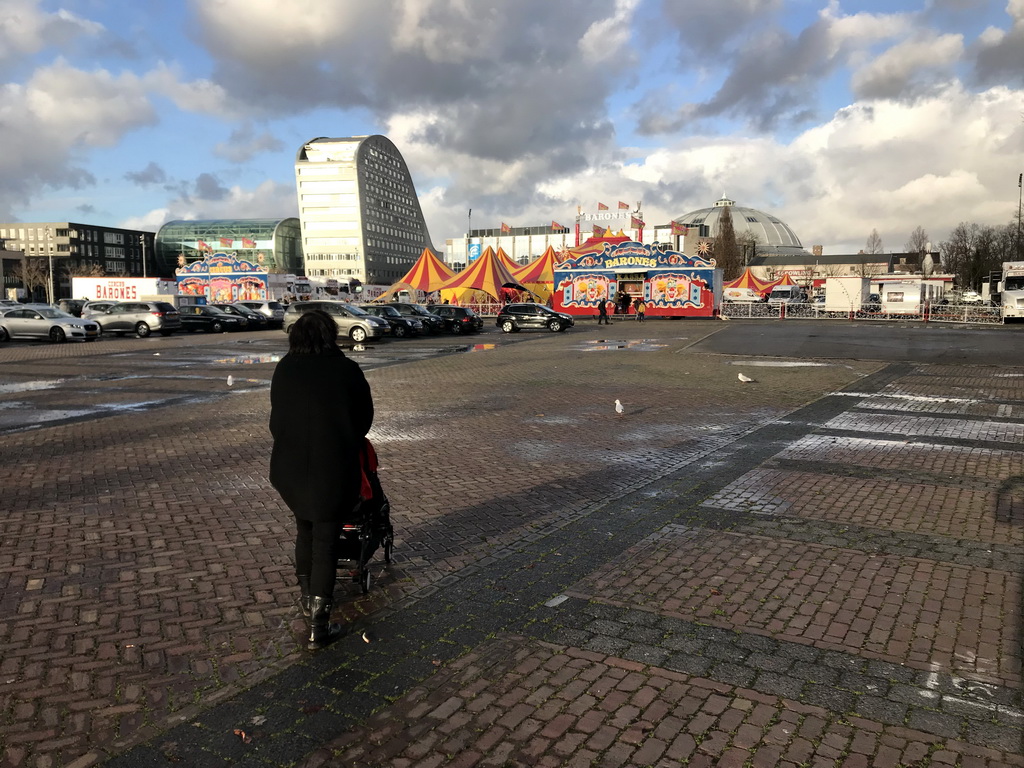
[320, 411]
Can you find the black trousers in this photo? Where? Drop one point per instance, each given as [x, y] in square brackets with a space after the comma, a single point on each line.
[316, 546]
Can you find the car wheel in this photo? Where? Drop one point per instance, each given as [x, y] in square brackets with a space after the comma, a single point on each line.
[4, 336]
[508, 326]
[456, 327]
[399, 331]
[142, 330]
[555, 326]
[358, 334]
[217, 327]
[57, 335]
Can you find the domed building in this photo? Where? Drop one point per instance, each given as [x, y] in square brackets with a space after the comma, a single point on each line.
[769, 235]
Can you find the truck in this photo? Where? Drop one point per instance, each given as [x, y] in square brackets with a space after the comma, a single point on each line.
[123, 288]
[787, 294]
[847, 294]
[1006, 287]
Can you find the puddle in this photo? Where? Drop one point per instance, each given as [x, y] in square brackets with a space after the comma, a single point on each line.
[248, 359]
[479, 347]
[31, 386]
[638, 345]
[778, 364]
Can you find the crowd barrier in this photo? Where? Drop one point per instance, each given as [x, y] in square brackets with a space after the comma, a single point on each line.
[930, 313]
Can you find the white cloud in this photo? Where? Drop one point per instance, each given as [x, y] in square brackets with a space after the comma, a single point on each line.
[909, 67]
[25, 29]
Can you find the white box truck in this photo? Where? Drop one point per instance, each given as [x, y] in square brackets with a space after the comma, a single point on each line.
[846, 294]
[1008, 290]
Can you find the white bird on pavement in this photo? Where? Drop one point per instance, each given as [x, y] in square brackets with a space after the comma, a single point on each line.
[231, 380]
[618, 408]
[745, 379]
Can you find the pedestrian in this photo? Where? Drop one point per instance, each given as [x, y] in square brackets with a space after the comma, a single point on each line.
[320, 411]
[602, 312]
[641, 310]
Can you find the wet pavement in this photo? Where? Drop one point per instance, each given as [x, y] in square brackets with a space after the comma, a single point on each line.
[820, 567]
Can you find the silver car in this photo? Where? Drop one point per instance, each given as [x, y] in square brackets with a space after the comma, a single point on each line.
[44, 322]
[351, 320]
[141, 318]
[272, 310]
[92, 309]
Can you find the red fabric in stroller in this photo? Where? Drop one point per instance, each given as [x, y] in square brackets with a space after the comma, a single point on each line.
[370, 523]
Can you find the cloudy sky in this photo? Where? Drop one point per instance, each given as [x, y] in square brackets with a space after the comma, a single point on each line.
[839, 117]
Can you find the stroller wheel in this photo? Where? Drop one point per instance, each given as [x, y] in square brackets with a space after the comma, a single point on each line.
[365, 580]
[387, 551]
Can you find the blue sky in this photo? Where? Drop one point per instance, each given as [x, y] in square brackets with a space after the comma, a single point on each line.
[839, 118]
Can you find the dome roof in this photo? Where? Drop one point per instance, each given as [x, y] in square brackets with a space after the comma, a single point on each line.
[770, 234]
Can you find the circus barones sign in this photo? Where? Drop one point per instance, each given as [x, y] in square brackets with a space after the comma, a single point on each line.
[670, 283]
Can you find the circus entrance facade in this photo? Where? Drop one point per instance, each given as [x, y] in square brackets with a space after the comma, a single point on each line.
[671, 284]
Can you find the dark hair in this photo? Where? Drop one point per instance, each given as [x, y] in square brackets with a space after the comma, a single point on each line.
[314, 333]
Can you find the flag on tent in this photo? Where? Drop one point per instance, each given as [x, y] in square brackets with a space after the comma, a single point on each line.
[636, 222]
[226, 242]
[623, 206]
[599, 231]
[602, 207]
[505, 228]
[247, 243]
[204, 247]
[556, 225]
[679, 229]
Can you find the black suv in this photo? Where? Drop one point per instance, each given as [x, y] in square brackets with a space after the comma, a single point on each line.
[518, 317]
[458, 319]
[431, 322]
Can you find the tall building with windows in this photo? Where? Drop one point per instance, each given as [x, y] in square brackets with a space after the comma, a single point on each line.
[80, 249]
[358, 210]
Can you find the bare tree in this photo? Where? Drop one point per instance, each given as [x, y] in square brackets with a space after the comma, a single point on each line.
[32, 274]
[84, 269]
[874, 244]
[727, 252]
[917, 246]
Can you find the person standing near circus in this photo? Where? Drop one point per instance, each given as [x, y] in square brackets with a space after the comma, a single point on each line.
[321, 409]
[641, 309]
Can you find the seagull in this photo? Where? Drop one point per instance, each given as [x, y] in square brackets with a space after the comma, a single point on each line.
[618, 408]
[745, 379]
[231, 380]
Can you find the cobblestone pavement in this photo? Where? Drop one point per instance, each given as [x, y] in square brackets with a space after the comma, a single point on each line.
[819, 568]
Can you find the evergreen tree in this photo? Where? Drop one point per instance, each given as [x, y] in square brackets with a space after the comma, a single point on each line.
[727, 251]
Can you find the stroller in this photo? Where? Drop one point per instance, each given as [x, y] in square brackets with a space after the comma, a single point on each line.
[370, 524]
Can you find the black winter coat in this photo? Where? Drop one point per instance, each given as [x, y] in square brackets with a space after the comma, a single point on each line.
[320, 411]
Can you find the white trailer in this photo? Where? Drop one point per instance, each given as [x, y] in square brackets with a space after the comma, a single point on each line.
[846, 294]
[123, 288]
[903, 298]
[1011, 289]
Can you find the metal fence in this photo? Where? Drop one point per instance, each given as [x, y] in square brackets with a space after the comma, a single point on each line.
[934, 313]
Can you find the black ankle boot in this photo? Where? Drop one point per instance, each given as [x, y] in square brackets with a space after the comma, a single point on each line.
[321, 631]
[304, 597]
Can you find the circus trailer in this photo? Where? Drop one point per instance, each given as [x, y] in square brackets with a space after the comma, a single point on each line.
[221, 278]
[671, 283]
[123, 288]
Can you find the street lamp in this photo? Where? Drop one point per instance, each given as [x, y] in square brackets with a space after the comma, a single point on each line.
[49, 253]
[142, 242]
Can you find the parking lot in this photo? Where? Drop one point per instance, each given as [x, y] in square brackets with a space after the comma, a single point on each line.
[820, 566]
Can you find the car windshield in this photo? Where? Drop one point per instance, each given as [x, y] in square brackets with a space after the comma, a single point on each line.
[355, 310]
[389, 311]
[419, 309]
[52, 313]
[469, 311]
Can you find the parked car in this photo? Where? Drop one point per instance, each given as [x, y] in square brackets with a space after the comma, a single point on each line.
[529, 316]
[94, 308]
[400, 326]
[352, 322]
[431, 322]
[44, 322]
[139, 317]
[458, 319]
[272, 310]
[255, 321]
[210, 319]
[72, 306]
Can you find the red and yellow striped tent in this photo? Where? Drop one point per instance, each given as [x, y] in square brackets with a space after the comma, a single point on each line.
[786, 279]
[750, 281]
[539, 274]
[486, 275]
[426, 275]
[507, 260]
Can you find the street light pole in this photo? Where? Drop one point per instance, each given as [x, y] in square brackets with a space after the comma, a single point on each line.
[1020, 185]
[49, 253]
[142, 241]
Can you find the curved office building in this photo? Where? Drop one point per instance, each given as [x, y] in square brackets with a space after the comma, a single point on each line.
[273, 243]
[358, 209]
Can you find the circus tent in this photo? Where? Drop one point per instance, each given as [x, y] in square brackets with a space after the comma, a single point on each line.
[539, 274]
[426, 275]
[507, 260]
[486, 275]
[747, 283]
